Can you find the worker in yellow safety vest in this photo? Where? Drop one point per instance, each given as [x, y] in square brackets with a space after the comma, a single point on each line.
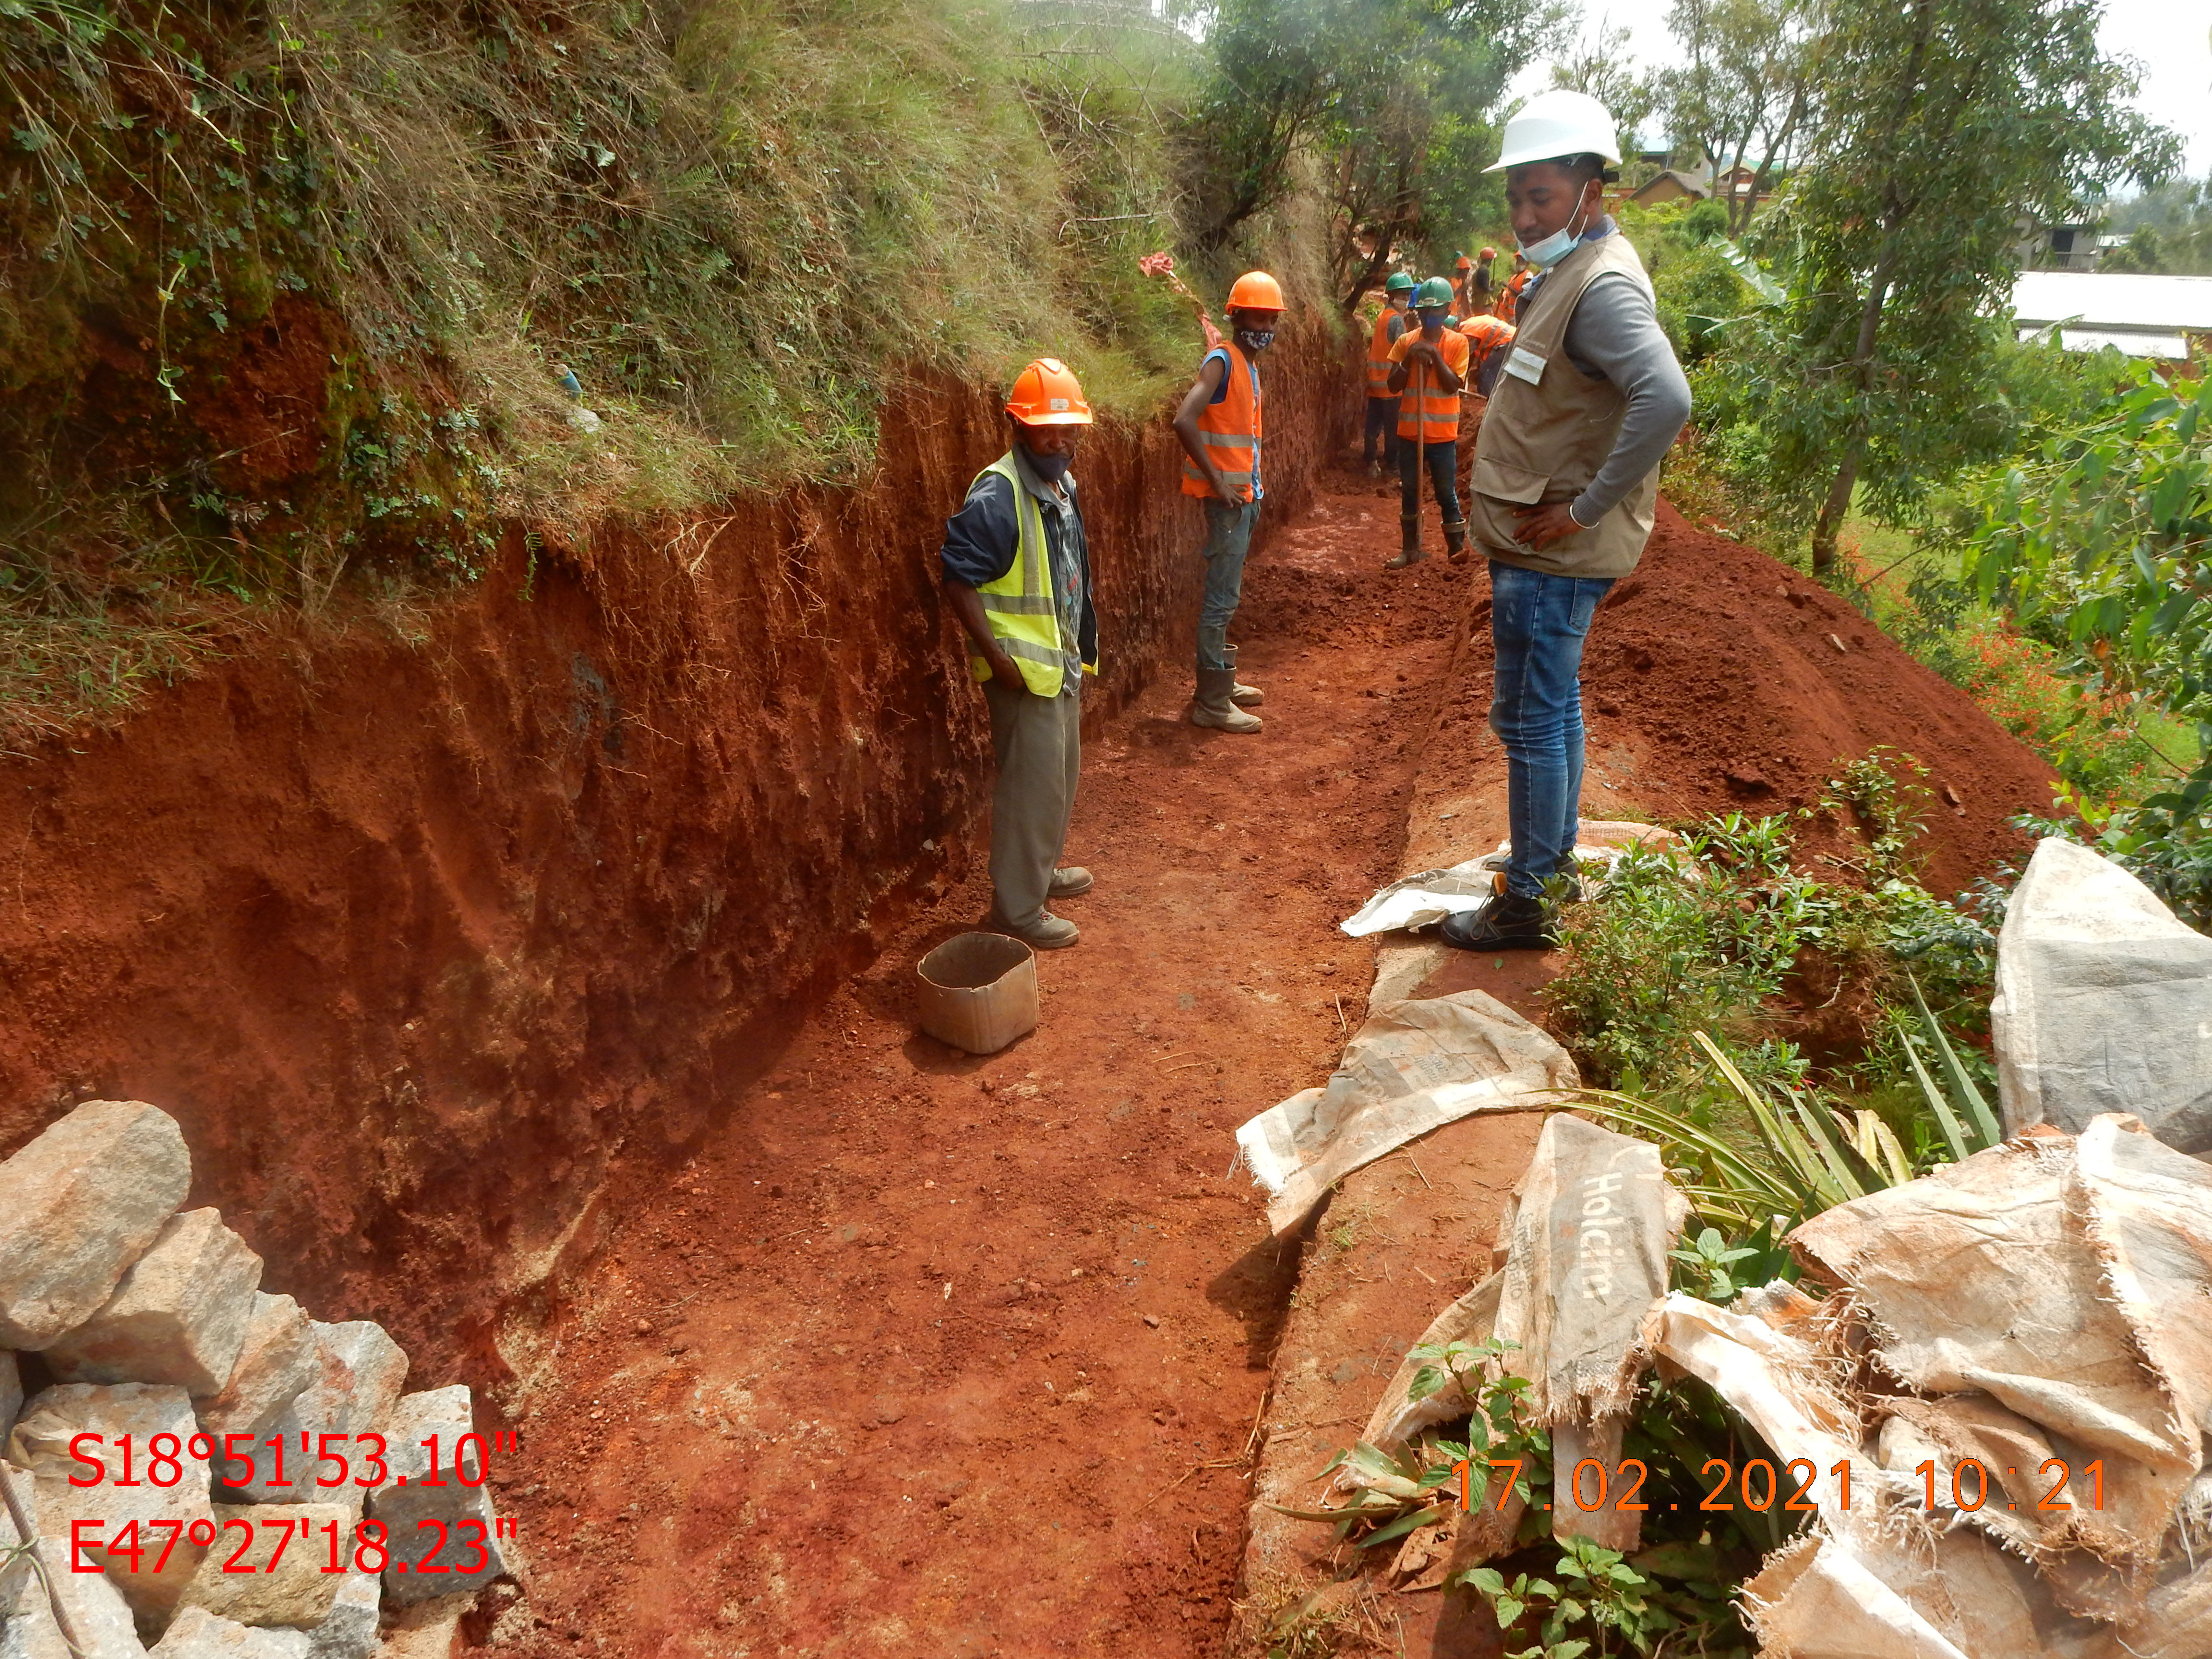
[1220, 424]
[1380, 447]
[1428, 367]
[1017, 574]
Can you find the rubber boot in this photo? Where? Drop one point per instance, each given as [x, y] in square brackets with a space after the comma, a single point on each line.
[1212, 706]
[1244, 696]
[1456, 542]
[1410, 551]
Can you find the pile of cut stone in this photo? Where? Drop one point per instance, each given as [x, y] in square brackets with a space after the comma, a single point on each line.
[152, 1323]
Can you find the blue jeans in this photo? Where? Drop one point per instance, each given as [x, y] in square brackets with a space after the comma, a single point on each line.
[1537, 625]
[1383, 426]
[1443, 478]
[1228, 538]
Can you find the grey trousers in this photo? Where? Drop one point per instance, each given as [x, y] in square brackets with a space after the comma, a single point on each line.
[1039, 744]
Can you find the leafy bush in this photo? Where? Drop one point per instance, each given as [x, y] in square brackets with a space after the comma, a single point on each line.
[2100, 546]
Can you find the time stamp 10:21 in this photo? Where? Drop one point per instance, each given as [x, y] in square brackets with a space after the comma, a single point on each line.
[1760, 1486]
[232, 1461]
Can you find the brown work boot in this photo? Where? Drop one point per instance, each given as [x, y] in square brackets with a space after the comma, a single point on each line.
[1410, 551]
[1048, 933]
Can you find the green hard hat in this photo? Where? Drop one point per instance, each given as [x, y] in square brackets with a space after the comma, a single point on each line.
[1398, 283]
[1435, 292]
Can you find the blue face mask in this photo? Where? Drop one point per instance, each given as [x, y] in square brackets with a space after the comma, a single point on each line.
[1050, 468]
[1554, 248]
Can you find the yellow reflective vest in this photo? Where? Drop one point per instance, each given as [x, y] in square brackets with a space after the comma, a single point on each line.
[1024, 616]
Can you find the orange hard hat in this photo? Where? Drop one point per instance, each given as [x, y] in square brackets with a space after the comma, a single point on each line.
[1489, 253]
[1047, 393]
[1464, 264]
[1255, 290]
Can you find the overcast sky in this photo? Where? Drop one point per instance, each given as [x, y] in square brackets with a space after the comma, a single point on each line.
[2171, 39]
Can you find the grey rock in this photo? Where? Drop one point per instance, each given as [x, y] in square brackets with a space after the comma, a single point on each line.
[469, 1556]
[277, 1361]
[198, 1634]
[349, 1630]
[41, 1443]
[360, 1371]
[178, 1315]
[78, 1206]
[298, 1592]
[97, 1612]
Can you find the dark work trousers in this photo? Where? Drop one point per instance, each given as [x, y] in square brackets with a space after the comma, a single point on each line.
[1443, 478]
[1038, 742]
[1382, 425]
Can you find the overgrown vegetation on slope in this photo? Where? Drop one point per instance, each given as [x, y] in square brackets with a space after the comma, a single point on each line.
[288, 294]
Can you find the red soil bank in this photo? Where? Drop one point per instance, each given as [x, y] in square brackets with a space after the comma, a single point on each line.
[413, 933]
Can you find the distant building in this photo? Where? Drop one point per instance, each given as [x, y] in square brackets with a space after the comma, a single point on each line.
[2056, 247]
[1669, 186]
[2143, 316]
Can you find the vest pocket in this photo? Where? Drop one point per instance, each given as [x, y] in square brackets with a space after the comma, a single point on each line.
[1508, 483]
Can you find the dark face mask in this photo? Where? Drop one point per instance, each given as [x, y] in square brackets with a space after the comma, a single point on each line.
[1050, 468]
[1255, 339]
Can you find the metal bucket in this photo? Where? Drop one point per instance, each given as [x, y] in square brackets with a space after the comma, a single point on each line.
[979, 991]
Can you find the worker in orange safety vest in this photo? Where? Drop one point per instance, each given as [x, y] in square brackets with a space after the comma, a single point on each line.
[1508, 302]
[1380, 447]
[1430, 368]
[1220, 424]
[1488, 337]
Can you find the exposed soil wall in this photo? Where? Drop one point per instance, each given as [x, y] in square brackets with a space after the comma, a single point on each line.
[413, 924]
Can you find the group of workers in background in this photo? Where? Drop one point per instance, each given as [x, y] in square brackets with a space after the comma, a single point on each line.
[1585, 396]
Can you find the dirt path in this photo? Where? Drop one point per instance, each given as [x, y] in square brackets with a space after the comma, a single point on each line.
[937, 1354]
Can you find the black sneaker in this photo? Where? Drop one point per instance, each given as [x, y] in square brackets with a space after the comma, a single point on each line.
[1508, 922]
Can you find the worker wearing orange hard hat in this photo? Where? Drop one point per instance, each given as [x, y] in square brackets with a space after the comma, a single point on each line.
[1017, 574]
[1482, 287]
[1220, 425]
[1463, 286]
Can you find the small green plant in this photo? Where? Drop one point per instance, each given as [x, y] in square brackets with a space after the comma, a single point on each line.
[1709, 1256]
[1885, 791]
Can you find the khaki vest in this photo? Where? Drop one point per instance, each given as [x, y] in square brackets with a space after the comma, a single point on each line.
[1543, 442]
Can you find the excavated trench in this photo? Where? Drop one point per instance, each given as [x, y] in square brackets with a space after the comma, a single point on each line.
[529, 974]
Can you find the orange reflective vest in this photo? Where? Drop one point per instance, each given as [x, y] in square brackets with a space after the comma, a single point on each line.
[1230, 428]
[1378, 353]
[1437, 418]
[1487, 337]
[1509, 301]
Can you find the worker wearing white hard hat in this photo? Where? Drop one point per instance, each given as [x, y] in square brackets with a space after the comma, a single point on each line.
[1566, 477]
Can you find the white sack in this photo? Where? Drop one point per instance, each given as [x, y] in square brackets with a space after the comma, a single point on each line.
[1413, 1066]
[2103, 1004]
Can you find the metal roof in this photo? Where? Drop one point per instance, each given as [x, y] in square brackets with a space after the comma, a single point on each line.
[2109, 302]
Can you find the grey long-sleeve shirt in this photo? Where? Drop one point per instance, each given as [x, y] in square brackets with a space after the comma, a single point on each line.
[1614, 335]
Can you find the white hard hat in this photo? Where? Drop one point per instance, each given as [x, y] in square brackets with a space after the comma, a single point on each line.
[1557, 124]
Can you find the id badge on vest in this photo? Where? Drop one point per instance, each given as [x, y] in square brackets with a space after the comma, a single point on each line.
[1525, 365]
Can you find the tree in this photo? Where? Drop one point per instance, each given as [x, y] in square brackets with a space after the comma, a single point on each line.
[1391, 98]
[2142, 251]
[1746, 90]
[1599, 65]
[1942, 123]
